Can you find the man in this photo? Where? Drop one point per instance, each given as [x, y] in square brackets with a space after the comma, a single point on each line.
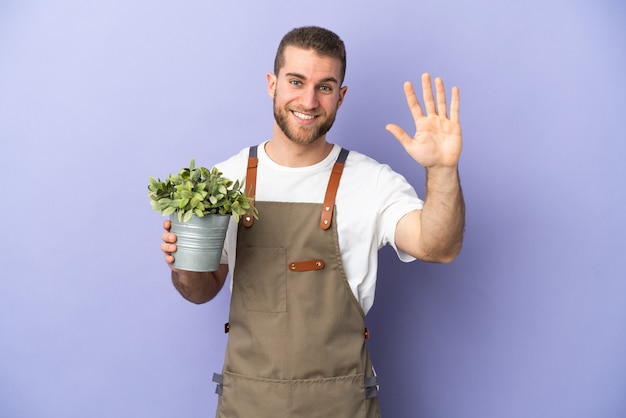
[304, 272]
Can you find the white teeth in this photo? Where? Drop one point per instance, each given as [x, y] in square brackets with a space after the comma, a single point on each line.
[303, 116]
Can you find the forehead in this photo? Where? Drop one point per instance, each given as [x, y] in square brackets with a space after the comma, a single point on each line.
[308, 63]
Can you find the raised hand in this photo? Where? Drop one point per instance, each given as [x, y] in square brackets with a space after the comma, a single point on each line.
[438, 140]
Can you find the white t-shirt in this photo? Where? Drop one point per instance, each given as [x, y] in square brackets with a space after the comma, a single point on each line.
[370, 201]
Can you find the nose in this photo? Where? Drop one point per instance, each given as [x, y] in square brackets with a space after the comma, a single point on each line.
[309, 98]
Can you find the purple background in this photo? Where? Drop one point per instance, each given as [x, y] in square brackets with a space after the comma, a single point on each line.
[95, 96]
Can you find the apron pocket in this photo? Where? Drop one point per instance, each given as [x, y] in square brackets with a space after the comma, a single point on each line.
[251, 397]
[337, 397]
[248, 397]
[266, 290]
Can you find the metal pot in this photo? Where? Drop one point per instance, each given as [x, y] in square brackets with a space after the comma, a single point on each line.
[199, 242]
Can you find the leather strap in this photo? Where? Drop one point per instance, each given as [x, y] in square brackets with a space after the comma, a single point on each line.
[307, 265]
[331, 190]
[253, 162]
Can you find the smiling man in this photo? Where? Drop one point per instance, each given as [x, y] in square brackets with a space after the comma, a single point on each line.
[305, 102]
[304, 273]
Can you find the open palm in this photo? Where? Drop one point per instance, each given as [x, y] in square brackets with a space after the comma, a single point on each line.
[438, 140]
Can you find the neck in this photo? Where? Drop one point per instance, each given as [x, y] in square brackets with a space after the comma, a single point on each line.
[288, 153]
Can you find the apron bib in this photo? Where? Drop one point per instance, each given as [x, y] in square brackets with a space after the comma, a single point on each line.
[296, 345]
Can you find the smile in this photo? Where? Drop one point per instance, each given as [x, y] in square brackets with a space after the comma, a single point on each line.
[303, 116]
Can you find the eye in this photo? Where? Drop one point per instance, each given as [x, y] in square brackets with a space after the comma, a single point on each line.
[326, 88]
[296, 83]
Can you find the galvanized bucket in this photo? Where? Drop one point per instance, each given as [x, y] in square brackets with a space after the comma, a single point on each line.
[199, 242]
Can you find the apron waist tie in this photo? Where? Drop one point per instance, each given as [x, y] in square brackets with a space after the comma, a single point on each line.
[219, 379]
[371, 387]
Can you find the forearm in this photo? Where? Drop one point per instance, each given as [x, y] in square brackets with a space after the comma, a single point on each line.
[197, 287]
[443, 215]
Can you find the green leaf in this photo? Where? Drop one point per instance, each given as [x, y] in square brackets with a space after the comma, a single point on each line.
[168, 211]
[164, 201]
[154, 183]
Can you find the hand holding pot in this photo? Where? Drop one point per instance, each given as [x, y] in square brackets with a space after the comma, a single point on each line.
[168, 245]
[197, 287]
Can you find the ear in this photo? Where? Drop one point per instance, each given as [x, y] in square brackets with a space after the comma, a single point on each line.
[342, 94]
[271, 84]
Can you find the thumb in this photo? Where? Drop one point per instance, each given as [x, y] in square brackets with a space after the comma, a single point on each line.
[399, 133]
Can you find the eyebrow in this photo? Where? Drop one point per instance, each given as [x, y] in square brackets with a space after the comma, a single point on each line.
[324, 80]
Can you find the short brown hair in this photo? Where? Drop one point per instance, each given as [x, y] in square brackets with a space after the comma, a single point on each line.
[324, 42]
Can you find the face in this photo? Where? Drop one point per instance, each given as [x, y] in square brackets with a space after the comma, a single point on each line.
[307, 94]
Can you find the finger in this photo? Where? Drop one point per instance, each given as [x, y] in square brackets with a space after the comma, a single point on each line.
[167, 225]
[168, 237]
[427, 91]
[442, 105]
[169, 259]
[168, 248]
[455, 104]
[411, 99]
[399, 133]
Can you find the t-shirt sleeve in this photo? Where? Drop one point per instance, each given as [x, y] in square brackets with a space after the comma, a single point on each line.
[396, 197]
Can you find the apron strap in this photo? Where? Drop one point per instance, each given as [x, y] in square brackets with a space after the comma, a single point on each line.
[331, 190]
[253, 162]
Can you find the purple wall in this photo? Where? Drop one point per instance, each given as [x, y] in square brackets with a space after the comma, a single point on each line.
[97, 96]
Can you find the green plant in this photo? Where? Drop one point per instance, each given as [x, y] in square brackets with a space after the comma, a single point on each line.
[199, 191]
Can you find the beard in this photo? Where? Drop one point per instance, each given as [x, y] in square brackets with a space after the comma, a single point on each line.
[300, 134]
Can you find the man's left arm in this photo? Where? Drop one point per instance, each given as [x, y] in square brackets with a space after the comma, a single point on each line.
[434, 233]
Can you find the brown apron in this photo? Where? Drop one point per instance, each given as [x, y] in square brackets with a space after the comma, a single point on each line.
[296, 344]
